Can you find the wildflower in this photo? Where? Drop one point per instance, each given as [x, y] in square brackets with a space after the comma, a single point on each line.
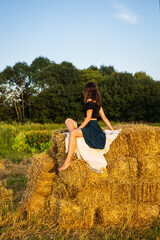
[44, 140]
[35, 142]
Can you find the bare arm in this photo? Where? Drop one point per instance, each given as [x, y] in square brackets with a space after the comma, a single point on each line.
[103, 116]
[87, 119]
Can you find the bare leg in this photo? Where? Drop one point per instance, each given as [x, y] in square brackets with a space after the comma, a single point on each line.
[71, 124]
[72, 146]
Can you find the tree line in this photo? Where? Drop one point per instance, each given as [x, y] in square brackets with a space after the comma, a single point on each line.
[49, 92]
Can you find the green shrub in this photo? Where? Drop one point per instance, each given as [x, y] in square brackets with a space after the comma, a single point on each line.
[33, 141]
[7, 135]
[38, 140]
[20, 144]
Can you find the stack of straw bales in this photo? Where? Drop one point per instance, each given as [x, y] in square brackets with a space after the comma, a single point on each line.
[128, 191]
[40, 182]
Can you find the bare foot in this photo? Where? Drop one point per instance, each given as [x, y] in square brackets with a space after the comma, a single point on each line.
[64, 166]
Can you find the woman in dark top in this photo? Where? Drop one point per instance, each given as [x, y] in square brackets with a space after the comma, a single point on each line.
[89, 129]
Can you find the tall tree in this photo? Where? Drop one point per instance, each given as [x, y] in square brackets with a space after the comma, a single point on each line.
[61, 92]
[91, 75]
[116, 90]
[39, 63]
[106, 70]
[16, 79]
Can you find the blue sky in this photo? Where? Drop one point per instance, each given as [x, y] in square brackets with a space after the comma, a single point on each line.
[121, 33]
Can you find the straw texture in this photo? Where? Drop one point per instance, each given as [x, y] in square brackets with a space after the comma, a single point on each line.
[127, 191]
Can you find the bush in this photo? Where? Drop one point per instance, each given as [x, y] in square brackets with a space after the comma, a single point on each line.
[20, 144]
[33, 141]
[38, 139]
[7, 135]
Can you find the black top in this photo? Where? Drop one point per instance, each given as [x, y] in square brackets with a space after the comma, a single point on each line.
[91, 105]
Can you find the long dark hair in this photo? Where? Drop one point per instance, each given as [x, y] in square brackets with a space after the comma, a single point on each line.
[91, 91]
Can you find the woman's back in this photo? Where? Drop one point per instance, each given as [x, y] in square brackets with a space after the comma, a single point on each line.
[91, 105]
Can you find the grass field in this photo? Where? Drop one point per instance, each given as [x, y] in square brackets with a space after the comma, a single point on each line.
[13, 176]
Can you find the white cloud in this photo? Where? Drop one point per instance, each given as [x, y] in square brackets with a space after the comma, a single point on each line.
[124, 13]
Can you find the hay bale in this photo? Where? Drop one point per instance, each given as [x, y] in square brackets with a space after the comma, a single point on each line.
[130, 214]
[123, 169]
[79, 175]
[146, 212]
[39, 185]
[69, 214]
[127, 191]
[135, 140]
[114, 214]
[35, 205]
[149, 166]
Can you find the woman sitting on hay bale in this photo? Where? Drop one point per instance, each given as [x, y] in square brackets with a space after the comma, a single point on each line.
[89, 129]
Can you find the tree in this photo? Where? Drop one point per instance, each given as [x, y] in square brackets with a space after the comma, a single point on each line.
[106, 70]
[39, 63]
[7, 110]
[46, 91]
[116, 92]
[16, 79]
[94, 68]
[61, 93]
[144, 91]
[142, 75]
[90, 75]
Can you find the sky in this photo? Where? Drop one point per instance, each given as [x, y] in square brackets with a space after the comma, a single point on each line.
[121, 33]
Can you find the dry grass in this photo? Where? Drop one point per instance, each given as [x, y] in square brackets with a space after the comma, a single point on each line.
[8, 168]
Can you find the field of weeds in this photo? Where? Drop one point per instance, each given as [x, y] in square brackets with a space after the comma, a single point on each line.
[13, 180]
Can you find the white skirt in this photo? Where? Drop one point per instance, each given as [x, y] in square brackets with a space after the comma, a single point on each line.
[94, 157]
